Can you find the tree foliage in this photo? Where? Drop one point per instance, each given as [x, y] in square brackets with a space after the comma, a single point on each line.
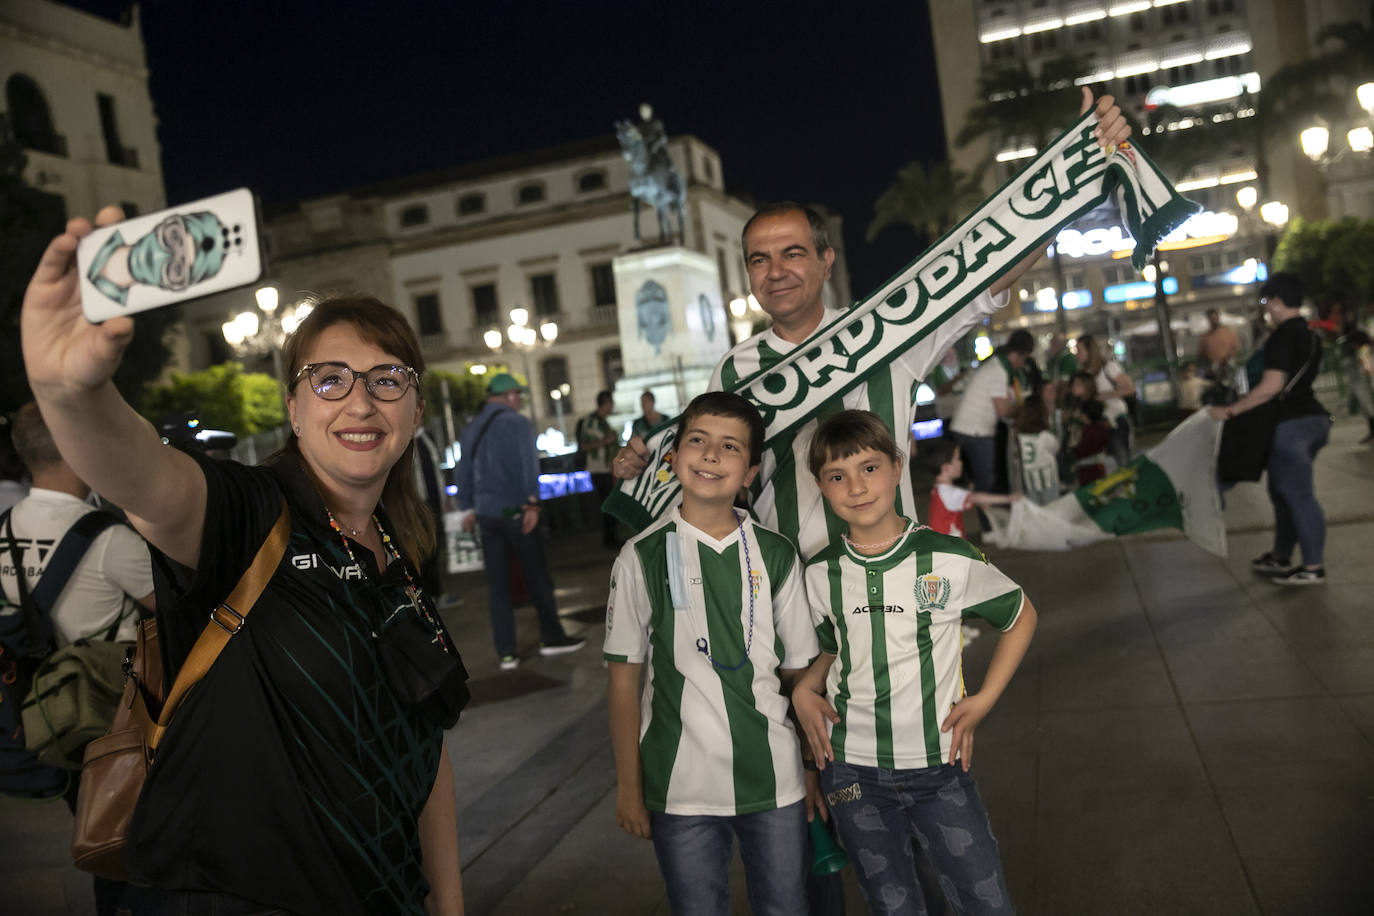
[1332, 258]
[222, 397]
[927, 199]
[1018, 102]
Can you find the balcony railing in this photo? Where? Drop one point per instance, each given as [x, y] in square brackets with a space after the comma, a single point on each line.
[602, 315]
[434, 343]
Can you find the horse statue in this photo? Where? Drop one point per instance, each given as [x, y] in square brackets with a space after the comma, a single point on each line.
[653, 177]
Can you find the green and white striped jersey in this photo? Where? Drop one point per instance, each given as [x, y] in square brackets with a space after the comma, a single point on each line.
[892, 621]
[786, 496]
[714, 741]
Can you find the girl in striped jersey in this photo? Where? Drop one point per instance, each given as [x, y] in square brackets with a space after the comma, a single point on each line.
[887, 599]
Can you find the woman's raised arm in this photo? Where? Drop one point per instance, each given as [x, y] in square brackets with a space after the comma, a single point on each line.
[70, 363]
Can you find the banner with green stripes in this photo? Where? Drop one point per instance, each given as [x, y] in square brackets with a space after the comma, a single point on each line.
[1172, 485]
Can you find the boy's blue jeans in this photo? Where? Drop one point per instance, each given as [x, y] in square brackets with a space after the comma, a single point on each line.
[694, 855]
[879, 812]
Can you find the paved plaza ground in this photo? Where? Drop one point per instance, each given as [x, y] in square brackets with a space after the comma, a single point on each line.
[1182, 738]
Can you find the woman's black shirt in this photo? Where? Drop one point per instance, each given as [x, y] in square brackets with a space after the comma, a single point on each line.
[291, 775]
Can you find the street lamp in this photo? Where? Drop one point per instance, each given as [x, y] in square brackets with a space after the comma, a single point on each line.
[1274, 213]
[525, 339]
[249, 334]
[1247, 197]
[1315, 141]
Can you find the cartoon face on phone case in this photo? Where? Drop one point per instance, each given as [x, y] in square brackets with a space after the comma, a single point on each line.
[177, 254]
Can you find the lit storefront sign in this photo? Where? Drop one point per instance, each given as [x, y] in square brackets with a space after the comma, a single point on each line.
[1251, 271]
[1073, 299]
[1139, 289]
[1200, 229]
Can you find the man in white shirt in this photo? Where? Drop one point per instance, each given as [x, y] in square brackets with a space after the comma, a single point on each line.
[113, 580]
[989, 397]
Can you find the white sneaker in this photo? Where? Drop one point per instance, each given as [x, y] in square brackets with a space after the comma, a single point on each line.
[510, 662]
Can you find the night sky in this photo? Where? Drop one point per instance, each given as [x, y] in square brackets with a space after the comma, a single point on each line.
[299, 98]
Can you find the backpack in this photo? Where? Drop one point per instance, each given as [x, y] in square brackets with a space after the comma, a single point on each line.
[76, 686]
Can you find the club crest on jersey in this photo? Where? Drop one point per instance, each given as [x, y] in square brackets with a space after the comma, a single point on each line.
[932, 592]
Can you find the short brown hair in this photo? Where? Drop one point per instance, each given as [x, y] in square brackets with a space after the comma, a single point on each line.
[848, 433]
[32, 441]
[727, 404]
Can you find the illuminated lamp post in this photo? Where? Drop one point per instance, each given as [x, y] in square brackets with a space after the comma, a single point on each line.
[249, 334]
[525, 339]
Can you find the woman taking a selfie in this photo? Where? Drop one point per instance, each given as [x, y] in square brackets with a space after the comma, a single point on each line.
[302, 773]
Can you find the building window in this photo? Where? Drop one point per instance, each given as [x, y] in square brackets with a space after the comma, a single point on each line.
[612, 367]
[427, 314]
[485, 313]
[470, 204]
[531, 193]
[30, 117]
[544, 291]
[129, 207]
[417, 215]
[603, 284]
[594, 180]
[708, 171]
[555, 373]
[217, 349]
[115, 152]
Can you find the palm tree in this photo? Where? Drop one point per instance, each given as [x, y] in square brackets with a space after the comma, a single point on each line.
[1026, 106]
[928, 199]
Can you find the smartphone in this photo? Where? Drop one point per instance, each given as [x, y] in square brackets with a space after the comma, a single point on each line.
[180, 253]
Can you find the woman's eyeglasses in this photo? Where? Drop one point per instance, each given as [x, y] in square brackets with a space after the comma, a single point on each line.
[334, 381]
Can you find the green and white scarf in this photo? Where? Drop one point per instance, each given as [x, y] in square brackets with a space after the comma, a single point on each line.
[1066, 180]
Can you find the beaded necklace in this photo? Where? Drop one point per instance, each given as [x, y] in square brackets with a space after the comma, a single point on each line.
[412, 590]
[702, 645]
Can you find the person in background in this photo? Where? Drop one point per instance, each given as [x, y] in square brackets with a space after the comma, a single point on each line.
[991, 395]
[1357, 368]
[1292, 359]
[648, 419]
[498, 488]
[1217, 349]
[1094, 442]
[1039, 452]
[1060, 362]
[1114, 386]
[1190, 389]
[948, 500]
[598, 443]
[13, 486]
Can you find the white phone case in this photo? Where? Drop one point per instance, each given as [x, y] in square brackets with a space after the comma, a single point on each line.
[176, 254]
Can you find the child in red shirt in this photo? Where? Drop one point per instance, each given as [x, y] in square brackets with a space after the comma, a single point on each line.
[1093, 444]
[948, 502]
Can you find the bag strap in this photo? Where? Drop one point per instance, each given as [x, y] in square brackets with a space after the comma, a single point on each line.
[40, 637]
[226, 619]
[68, 555]
[1313, 348]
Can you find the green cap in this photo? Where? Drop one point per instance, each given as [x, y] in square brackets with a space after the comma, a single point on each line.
[502, 382]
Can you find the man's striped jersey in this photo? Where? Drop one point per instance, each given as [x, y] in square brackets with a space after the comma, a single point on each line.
[892, 621]
[715, 737]
[786, 496]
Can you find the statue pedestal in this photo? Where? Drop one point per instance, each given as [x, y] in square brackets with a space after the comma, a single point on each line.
[673, 325]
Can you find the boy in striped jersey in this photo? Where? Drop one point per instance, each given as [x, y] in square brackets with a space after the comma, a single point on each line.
[711, 605]
[887, 599]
